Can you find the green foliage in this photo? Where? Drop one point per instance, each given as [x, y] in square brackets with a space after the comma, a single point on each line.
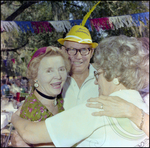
[61, 10]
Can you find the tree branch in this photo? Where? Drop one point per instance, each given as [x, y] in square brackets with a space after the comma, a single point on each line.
[20, 10]
[3, 3]
[15, 49]
[110, 7]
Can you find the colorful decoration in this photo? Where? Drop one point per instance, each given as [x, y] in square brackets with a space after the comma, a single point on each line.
[142, 17]
[13, 60]
[41, 25]
[101, 23]
[25, 26]
[63, 26]
[8, 25]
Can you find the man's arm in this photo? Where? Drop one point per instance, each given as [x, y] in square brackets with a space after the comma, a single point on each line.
[17, 141]
[31, 132]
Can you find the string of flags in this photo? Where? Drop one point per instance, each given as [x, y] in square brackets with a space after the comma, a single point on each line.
[64, 26]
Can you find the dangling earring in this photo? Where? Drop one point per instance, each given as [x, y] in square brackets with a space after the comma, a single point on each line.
[36, 84]
[115, 81]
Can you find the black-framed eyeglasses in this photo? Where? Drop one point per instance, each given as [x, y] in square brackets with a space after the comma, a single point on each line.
[73, 51]
[96, 74]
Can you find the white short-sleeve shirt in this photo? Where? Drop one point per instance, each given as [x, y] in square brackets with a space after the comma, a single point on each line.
[73, 96]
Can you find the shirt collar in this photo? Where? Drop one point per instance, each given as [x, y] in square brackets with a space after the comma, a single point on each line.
[91, 71]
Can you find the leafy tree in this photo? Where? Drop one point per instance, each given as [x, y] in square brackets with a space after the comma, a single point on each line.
[18, 42]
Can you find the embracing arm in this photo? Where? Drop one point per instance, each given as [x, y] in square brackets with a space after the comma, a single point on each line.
[116, 107]
[136, 117]
[31, 132]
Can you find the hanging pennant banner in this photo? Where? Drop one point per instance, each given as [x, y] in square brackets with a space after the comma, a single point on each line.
[38, 26]
[25, 26]
[61, 26]
[142, 17]
[101, 23]
[46, 26]
[13, 60]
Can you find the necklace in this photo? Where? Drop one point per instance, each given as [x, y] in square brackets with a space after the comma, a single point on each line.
[48, 97]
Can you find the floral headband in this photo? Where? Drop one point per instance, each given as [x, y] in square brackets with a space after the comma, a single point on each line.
[37, 53]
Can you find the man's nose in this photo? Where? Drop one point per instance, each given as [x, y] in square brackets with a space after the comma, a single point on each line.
[78, 55]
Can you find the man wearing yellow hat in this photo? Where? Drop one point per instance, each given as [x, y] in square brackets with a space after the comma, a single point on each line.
[79, 46]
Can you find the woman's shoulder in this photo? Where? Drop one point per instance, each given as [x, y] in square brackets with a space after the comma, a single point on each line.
[31, 99]
[33, 109]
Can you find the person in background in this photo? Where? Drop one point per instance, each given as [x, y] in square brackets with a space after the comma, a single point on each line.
[3, 77]
[7, 79]
[13, 80]
[24, 82]
[16, 87]
[4, 88]
[8, 82]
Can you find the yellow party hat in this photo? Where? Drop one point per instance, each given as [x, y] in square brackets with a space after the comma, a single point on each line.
[79, 33]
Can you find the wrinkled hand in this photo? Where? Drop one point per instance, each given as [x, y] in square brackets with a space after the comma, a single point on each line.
[113, 106]
[17, 141]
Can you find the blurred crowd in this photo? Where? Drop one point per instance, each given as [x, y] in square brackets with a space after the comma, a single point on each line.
[10, 87]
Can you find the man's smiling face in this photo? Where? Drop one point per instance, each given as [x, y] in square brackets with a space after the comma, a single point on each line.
[79, 63]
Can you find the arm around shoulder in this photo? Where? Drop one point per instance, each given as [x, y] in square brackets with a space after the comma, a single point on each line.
[31, 132]
[139, 118]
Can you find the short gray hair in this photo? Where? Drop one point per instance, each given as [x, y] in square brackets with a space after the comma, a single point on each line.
[124, 58]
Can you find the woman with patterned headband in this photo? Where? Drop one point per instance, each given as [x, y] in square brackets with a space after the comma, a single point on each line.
[47, 72]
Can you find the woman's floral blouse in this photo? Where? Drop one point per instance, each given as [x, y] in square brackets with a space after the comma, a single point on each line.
[34, 110]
